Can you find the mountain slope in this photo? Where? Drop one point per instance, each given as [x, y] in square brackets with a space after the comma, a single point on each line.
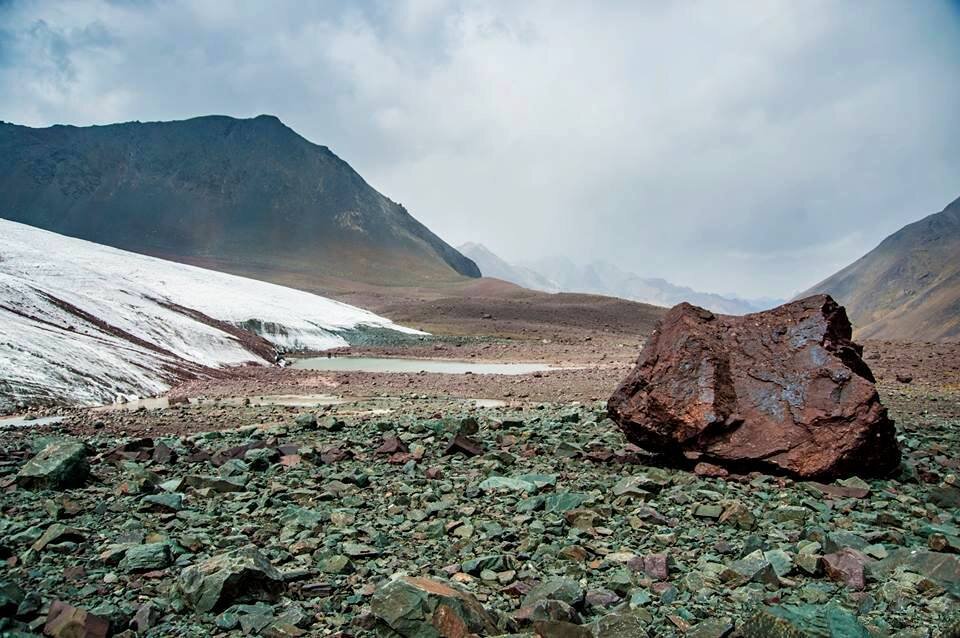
[491, 265]
[243, 193]
[908, 287]
[84, 323]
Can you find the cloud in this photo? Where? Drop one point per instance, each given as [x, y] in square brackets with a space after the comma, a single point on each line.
[748, 147]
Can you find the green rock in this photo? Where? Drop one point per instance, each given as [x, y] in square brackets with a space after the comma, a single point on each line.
[255, 618]
[306, 420]
[717, 628]
[567, 450]
[781, 561]
[816, 593]
[632, 487]
[331, 424]
[639, 598]
[495, 483]
[416, 607]
[803, 621]
[809, 563]
[856, 483]
[173, 485]
[58, 533]
[296, 517]
[539, 481]
[530, 504]
[496, 563]
[60, 465]
[563, 501]
[877, 551]
[141, 558]
[215, 483]
[752, 568]
[337, 564]
[625, 623]
[563, 589]
[789, 513]
[738, 515]
[642, 484]
[835, 541]
[708, 510]
[237, 470]
[357, 550]
[243, 575]
[11, 595]
[227, 620]
[943, 569]
[172, 502]
[26, 537]
[260, 458]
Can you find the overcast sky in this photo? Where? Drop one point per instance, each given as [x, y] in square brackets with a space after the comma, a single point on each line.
[750, 147]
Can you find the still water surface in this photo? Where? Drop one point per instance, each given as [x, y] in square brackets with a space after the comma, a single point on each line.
[384, 364]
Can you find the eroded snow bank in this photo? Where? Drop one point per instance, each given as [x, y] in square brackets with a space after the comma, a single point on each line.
[85, 323]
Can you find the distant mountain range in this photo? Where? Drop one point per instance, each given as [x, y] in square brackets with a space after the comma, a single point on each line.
[908, 287]
[493, 266]
[559, 274]
[82, 323]
[241, 195]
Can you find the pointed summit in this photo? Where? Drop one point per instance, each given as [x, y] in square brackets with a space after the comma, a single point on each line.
[249, 196]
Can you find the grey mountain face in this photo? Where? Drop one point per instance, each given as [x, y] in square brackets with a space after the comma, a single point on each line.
[246, 192]
[559, 274]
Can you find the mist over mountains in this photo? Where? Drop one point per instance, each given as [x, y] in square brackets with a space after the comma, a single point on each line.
[560, 274]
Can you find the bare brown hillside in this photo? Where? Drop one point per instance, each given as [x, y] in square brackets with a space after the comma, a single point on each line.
[908, 287]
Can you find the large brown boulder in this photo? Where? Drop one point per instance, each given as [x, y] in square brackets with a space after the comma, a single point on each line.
[784, 391]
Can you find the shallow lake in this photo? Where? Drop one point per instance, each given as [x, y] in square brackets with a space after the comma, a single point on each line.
[21, 422]
[290, 400]
[383, 364]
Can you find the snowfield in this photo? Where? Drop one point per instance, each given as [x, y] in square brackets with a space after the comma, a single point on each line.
[88, 324]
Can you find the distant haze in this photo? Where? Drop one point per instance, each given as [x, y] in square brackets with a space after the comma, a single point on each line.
[733, 147]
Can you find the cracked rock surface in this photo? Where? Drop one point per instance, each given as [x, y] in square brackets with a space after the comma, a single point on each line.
[784, 391]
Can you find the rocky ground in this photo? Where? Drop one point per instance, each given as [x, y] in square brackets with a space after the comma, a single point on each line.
[373, 517]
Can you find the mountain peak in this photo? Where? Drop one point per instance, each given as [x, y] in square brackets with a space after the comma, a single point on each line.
[266, 117]
[250, 194]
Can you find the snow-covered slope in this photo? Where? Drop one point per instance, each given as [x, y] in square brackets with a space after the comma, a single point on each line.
[85, 323]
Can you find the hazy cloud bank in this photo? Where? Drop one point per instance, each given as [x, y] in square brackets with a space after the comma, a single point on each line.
[733, 147]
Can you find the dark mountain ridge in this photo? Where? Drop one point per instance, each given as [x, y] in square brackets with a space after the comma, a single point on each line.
[239, 192]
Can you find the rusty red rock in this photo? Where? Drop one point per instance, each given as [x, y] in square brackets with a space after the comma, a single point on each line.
[783, 391]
